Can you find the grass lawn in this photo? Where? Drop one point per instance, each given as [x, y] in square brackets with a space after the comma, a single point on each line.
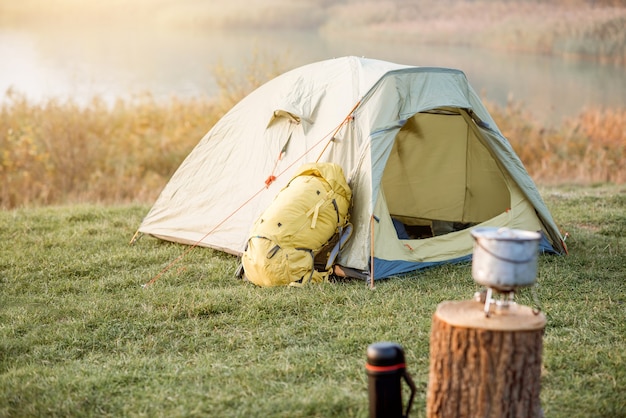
[80, 336]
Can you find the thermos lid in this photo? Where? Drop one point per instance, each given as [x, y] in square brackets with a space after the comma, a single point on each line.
[385, 354]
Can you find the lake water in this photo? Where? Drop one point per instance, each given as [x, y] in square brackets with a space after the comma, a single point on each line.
[52, 62]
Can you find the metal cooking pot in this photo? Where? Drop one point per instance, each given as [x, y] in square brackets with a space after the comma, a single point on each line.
[505, 258]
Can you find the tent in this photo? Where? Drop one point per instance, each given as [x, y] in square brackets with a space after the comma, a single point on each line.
[423, 157]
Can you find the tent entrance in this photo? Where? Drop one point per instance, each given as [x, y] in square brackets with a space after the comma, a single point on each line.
[440, 178]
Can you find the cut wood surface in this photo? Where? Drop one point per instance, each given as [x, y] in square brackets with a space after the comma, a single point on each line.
[485, 366]
[470, 314]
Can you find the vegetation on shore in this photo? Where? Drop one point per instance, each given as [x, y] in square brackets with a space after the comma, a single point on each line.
[80, 336]
[59, 152]
[589, 148]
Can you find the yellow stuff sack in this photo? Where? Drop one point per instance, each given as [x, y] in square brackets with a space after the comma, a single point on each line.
[306, 216]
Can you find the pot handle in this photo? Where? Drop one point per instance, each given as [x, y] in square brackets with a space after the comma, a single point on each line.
[509, 260]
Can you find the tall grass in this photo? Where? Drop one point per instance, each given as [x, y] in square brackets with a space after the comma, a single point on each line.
[60, 152]
[585, 149]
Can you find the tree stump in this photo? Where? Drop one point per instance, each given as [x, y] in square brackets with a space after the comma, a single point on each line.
[484, 367]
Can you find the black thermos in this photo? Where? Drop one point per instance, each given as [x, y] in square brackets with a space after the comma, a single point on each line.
[385, 370]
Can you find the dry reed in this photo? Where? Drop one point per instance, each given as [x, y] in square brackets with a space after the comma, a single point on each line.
[589, 148]
[60, 152]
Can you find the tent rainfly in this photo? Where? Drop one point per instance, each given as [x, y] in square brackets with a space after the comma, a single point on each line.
[423, 157]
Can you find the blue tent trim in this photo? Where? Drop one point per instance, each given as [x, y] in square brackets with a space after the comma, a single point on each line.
[545, 247]
[387, 268]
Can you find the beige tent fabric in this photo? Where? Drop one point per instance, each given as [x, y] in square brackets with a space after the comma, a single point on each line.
[417, 143]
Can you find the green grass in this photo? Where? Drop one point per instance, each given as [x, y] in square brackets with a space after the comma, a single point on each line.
[80, 336]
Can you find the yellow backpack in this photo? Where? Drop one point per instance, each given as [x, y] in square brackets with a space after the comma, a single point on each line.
[296, 239]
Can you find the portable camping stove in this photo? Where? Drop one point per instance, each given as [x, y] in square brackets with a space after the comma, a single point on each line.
[500, 299]
[503, 260]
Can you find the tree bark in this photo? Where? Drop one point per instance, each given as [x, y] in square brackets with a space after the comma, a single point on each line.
[484, 367]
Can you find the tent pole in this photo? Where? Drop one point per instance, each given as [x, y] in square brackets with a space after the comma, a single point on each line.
[372, 253]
